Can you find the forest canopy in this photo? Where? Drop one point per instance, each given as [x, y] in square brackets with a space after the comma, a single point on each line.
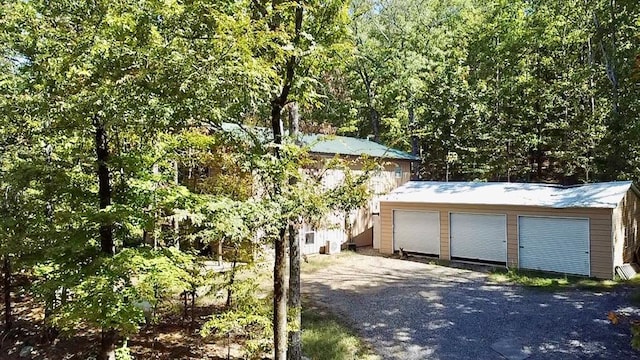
[519, 90]
[106, 107]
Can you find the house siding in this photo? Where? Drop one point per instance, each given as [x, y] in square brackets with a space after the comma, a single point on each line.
[600, 221]
[380, 183]
[625, 229]
[361, 219]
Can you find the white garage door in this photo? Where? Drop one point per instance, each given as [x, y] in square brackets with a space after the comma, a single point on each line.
[479, 237]
[417, 231]
[554, 244]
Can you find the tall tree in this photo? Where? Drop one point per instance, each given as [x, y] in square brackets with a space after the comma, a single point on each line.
[519, 90]
[294, 349]
[106, 83]
[305, 31]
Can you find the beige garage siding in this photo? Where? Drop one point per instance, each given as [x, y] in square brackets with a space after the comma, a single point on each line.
[599, 228]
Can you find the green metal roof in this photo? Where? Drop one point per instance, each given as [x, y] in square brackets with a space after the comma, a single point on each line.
[336, 145]
[344, 145]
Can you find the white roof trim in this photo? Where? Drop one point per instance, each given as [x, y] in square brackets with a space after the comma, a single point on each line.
[595, 195]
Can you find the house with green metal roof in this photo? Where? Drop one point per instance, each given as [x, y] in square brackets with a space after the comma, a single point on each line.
[344, 145]
[395, 171]
[331, 145]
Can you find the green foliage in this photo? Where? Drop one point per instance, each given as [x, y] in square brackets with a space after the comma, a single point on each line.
[123, 352]
[249, 317]
[142, 72]
[354, 190]
[521, 91]
[152, 81]
[109, 292]
[635, 336]
[212, 163]
[550, 282]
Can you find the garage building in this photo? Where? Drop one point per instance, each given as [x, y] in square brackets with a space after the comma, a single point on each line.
[581, 230]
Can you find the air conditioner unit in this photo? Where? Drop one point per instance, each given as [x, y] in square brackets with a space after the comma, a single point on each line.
[332, 247]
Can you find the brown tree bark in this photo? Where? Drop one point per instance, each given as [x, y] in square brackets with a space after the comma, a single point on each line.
[108, 345]
[375, 122]
[6, 270]
[109, 336]
[413, 126]
[104, 186]
[367, 81]
[374, 116]
[280, 283]
[280, 297]
[294, 350]
[280, 265]
[415, 145]
[232, 279]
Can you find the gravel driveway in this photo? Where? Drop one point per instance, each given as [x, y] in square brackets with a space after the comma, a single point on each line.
[411, 310]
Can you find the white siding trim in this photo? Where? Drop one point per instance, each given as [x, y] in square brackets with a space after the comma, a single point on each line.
[612, 239]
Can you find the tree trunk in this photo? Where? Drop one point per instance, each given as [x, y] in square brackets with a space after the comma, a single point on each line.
[415, 146]
[6, 269]
[374, 116]
[539, 165]
[280, 266]
[415, 150]
[295, 342]
[280, 283]
[294, 119]
[104, 187]
[109, 336]
[294, 351]
[232, 279]
[609, 59]
[185, 301]
[108, 345]
[375, 119]
[192, 324]
[280, 297]
[539, 151]
[347, 225]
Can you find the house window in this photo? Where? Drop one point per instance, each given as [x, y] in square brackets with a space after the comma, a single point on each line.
[398, 172]
[309, 238]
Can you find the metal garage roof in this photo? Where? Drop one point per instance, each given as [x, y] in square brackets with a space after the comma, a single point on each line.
[595, 195]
